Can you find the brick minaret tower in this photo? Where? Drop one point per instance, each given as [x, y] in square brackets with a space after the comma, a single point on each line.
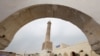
[47, 45]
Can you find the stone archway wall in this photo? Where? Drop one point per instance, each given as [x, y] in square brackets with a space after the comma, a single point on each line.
[13, 23]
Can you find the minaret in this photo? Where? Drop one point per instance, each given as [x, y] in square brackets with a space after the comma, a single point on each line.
[47, 45]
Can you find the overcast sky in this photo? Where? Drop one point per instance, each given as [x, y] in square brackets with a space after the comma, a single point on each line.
[90, 7]
[30, 37]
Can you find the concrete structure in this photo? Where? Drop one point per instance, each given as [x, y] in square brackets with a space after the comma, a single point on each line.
[80, 49]
[48, 8]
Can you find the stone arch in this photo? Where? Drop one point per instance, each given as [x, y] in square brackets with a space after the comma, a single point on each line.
[15, 21]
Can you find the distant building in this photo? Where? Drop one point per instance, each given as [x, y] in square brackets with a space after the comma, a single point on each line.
[4, 53]
[81, 49]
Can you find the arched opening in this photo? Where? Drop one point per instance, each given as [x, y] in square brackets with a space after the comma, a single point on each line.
[31, 36]
[81, 51]
[83, 21]
[55, 54]
[86, 55]
[73, 54]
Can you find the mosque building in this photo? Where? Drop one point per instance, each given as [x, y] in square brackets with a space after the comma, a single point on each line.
[80, 49]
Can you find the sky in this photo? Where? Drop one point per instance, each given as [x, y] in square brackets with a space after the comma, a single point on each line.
[30, 37]
[90, 7]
